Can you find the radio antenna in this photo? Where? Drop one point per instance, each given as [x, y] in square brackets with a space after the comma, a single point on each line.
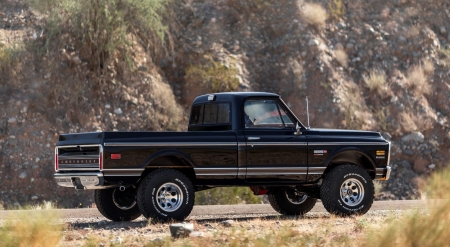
[307, 110]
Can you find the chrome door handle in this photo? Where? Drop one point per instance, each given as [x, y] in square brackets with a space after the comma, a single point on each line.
[253, 138]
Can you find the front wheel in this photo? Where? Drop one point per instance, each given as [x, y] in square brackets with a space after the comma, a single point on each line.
[117, 205]
[289, 201]
[347, 190]
[166, 195]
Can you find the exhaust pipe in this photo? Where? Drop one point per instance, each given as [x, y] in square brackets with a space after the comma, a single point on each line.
[122, 188]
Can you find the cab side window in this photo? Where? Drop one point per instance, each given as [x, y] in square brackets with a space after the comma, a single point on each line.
[262, 113]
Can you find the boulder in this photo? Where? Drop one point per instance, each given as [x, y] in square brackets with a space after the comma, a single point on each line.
[413, 137]
[181, 230]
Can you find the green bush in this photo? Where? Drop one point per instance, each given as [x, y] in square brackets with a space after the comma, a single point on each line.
[9, 57]
[101, 28]
[226, 195]
[213, 76]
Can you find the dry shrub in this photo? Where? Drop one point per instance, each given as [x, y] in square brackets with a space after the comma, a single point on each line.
[444, 55]
[376, 80]
[314, 14]
[341, 57]
[31, 228]
[336, 8]
[407, 122]
[428, 67]
[417, 80]
[166, 113]
[419, 228]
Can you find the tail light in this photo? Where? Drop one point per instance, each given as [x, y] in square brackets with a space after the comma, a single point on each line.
[56, 159]
[100, 159]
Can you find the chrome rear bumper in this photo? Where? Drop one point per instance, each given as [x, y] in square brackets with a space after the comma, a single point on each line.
[81, 180]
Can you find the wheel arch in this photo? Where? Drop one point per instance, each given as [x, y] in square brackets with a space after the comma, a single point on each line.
[353, 156]
[172, 159]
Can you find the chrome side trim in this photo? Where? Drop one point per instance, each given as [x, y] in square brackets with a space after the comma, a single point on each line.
[123, 172]
[137, 170]
[261, 171]
[277, 143]
[216, 171]
[168, 144]
[316, 170]
[346, 143]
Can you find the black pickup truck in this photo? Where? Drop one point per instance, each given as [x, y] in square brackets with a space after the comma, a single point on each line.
[233, 139]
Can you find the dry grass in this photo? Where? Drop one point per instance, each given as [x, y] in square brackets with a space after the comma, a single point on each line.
[428, 67]
[341, 57]
[417, 80]
[311, 230]
[419, 228]
[314, 14]
[376, 81]
[444, 55]
[31, 228]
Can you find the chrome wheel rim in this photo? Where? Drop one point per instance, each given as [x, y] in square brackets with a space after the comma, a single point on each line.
[296, 197]
[124, 199]
[169, 197]
[352, 192]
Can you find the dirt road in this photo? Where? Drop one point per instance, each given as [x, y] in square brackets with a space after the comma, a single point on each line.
[232, 211]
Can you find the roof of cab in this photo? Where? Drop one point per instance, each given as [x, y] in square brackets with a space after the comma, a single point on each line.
[232, 95]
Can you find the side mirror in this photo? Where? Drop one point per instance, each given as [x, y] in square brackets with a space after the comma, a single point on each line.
[297, 130]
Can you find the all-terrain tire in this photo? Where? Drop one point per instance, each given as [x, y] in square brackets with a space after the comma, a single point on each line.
[347, 190]
[166, 195]
[288, 201]
[117, 205]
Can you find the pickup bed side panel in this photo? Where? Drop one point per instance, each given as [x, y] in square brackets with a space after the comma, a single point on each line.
[211, 154]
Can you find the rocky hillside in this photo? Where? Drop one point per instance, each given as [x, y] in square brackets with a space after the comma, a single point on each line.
[374, 65]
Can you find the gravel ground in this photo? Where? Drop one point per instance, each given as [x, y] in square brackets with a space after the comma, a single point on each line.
[87, 226]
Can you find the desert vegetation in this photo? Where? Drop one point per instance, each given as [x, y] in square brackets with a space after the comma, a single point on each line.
[314, 14]
[375, 80]
[417, 80]
[103, 30]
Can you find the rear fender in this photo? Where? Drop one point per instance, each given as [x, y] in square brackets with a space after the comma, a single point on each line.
[169, 159]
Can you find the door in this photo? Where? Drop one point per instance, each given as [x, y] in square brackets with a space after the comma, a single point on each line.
[274, 152]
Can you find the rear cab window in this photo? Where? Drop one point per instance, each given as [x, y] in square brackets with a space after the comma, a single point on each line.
[216, 115]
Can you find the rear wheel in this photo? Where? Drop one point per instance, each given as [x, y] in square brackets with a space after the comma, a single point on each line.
[166, 195]
[347, 190]
[289, 201]
[117, 205]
